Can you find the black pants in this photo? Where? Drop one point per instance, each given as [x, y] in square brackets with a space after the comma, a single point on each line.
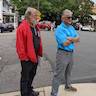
[27, 75]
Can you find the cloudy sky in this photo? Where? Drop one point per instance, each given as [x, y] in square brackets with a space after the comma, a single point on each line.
[94, 1]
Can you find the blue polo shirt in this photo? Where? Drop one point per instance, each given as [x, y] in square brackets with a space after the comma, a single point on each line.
[62, 32]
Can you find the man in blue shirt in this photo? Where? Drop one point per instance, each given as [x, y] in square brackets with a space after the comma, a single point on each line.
[66, 36]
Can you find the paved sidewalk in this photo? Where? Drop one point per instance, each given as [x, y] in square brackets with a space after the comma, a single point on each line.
[84, 89]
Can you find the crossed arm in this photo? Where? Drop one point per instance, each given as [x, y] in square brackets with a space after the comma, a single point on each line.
[70, 40]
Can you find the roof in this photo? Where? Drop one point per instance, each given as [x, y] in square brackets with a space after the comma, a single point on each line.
[8, 14]
[93, 17]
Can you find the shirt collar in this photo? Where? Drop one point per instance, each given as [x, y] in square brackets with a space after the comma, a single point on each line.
[64, 25]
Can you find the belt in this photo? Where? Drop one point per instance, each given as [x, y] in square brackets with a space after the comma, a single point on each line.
[65, 50]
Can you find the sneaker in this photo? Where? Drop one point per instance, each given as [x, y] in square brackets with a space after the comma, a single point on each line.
[53, 94]
[34, 93]
[70, 89]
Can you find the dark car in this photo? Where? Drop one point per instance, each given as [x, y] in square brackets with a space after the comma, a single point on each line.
[6, 27]
[76, 26]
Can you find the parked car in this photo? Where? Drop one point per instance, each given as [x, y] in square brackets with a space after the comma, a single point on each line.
[6, 27]
[45, 25]
[87, 28]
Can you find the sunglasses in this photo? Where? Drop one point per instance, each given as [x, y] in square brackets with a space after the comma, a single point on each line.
[69, 17]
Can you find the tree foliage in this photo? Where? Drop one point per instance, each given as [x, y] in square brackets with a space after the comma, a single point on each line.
[79, 7]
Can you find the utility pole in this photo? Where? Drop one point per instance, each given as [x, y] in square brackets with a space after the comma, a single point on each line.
[38, 5]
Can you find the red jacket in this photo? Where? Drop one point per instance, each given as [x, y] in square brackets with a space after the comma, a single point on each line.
[24, 43]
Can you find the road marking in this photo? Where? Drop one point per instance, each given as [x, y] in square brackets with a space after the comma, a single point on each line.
[0, 58]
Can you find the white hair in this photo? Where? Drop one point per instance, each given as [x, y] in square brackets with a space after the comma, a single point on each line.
[67, 12]
[30, 11]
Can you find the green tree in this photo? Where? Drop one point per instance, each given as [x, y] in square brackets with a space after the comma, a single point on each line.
[55, 7]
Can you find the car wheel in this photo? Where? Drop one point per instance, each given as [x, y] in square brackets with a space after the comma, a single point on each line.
[10, 30]
[46, 29]
[81, 29]
[1, 31]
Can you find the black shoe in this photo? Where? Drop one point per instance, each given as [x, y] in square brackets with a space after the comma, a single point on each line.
[34, 93]
[70, 89]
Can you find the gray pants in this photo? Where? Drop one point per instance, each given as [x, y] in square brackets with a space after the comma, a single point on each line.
[64, 63]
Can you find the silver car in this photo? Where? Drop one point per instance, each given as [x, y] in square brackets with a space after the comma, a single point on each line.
[6, 27]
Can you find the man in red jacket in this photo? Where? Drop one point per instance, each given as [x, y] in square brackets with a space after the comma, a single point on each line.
[29, 49]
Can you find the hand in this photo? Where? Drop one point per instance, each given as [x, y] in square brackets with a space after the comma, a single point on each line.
[68, 42]
[70, 39]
